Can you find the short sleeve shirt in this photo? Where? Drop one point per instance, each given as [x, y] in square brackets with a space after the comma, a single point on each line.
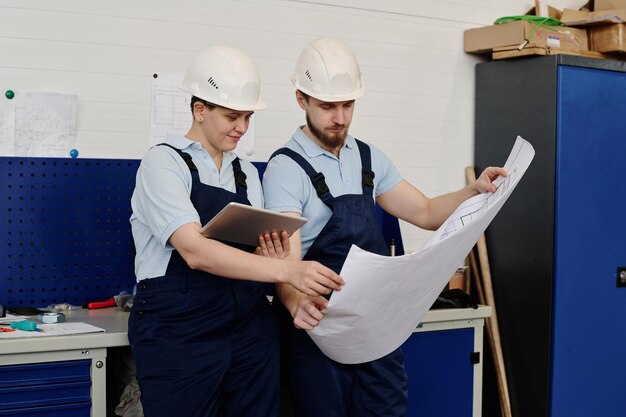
[287, 188]
[161, 200]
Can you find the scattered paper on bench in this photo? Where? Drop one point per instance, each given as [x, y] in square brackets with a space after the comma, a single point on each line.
[56, 329]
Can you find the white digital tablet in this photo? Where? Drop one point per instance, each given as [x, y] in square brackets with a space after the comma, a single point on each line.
[241, 223]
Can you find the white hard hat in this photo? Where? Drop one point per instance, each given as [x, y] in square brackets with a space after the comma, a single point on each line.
[328, 71]
[226, 77]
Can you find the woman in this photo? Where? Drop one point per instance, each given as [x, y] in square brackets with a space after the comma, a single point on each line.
[201, 329]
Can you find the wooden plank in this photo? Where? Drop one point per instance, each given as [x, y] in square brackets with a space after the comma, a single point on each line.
[507, 52]
[493, 330]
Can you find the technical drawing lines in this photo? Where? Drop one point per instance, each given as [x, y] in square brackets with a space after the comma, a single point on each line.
[464, 216]
[472, 208]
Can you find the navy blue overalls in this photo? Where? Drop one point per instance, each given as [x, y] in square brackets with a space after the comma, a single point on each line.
[205, 345]
[320, 386]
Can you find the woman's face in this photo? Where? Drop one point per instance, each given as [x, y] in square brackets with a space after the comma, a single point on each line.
[223, 128]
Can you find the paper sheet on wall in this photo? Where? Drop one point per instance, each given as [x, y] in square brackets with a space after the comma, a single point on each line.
[385, 298]
[7, 128]
[38, 124]
[170, 113]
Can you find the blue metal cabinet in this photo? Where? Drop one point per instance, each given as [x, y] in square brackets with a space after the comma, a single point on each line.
[441, 373]
[557, 247]
[46, 389]
[444, 362]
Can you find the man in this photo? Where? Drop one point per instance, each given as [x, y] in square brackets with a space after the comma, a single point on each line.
[334, 181]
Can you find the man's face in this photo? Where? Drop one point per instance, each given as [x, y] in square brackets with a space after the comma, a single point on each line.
[328, 122]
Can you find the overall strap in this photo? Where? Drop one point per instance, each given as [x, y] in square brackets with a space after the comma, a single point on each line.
[367, 175]
[241, 187]
[187, 158]
[317, 178]
[240, 179]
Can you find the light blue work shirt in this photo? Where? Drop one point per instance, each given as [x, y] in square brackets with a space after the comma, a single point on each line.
[286, 186]
[161, 199]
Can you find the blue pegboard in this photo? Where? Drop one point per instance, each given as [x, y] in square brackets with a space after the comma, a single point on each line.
[65, 229]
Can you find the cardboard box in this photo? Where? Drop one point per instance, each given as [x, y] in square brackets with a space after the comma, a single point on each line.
[542, 8]
[581, 18]
[608, 38]
[609, 4]
[605, 28]
[513, 34]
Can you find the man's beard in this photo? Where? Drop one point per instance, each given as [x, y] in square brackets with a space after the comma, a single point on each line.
[330, 141]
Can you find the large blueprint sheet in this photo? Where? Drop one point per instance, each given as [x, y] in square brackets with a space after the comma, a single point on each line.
[385, 298]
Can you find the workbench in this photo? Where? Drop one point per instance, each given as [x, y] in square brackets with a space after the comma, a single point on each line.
[66, 375]
[61, 375]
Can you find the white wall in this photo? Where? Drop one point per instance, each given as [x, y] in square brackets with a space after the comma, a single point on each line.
[418, 106]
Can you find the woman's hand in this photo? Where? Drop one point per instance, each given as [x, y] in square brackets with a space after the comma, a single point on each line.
[273, 245]
[312, 278]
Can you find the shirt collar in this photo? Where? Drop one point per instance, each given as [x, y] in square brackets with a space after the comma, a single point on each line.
[182, 143]
[312, 149]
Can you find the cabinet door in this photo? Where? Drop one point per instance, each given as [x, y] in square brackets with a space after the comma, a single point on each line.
[46, 389]
[589, 340]
[440, 373]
